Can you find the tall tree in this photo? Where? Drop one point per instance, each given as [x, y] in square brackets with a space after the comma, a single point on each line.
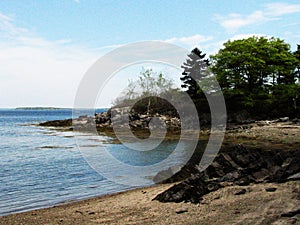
[254, 64]
[195, 70]
[297, 55]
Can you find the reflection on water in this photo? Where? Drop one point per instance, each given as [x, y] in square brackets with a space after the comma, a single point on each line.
[40, 167]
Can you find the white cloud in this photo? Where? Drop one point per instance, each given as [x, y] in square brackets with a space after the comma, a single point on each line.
[207, 44]
[190, 41]
[269, 12]
[279, 9]
[36, 71]
[233, 22]
[7, 28]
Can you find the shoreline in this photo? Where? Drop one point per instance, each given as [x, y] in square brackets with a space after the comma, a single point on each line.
[268, 136]
[136, 206]
[263, 134]
[67, 202]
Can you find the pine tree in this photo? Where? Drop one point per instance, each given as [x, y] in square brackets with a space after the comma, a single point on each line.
[195, 69]
[297, 55]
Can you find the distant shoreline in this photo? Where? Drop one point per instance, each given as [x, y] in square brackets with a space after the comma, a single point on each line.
[40, 108]
[53, 108]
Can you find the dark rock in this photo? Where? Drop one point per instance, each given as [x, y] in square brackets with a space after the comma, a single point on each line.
[165, 174]
[190, 190]
[118, 116]
[181, 211]
[57, 123]
[243, 181]
[240, 166]
[291, 213]
[261, 175]
[240, 192]
[271, 189]
[248, 121]
[77, 211]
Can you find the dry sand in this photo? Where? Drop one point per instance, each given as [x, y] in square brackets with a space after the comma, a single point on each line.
[256, 206]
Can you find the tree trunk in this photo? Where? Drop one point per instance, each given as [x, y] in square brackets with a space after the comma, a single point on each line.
[148, 106]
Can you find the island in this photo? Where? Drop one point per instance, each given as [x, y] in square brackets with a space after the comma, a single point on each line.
[41, 108]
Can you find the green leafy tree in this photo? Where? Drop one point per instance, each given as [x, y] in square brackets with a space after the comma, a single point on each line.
[254, 63]
[146, 90]
[286, 99]
[257, 74]
[153, 83]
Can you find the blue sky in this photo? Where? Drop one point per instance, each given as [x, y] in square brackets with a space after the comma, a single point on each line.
[47, 46]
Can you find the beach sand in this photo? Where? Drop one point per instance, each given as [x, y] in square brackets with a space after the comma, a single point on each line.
[256, 206]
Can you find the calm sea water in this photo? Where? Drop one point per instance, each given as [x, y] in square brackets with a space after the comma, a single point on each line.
[41, 167]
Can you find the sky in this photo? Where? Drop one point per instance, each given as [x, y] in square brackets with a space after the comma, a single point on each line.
[46, 47]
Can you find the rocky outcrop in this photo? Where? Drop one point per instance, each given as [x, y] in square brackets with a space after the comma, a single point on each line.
[239, 166]
[57, 123]
[124, 116]
[117, 117]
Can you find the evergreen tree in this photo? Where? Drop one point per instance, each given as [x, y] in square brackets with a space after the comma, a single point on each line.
[297, 56]
[195, 70]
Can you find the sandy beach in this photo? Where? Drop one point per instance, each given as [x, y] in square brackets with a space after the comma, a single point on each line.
[225, 206]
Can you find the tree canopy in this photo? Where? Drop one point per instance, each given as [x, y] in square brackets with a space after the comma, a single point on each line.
[148, 92]
[258, 74]
[255, 63]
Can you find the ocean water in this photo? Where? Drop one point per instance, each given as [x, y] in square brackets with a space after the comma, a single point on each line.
[41, 167]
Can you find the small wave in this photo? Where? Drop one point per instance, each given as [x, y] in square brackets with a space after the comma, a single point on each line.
[91, 146]
[49, 132]
[53, 147]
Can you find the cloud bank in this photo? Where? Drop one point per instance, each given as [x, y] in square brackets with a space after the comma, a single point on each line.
[270, 12]
[36, 71]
